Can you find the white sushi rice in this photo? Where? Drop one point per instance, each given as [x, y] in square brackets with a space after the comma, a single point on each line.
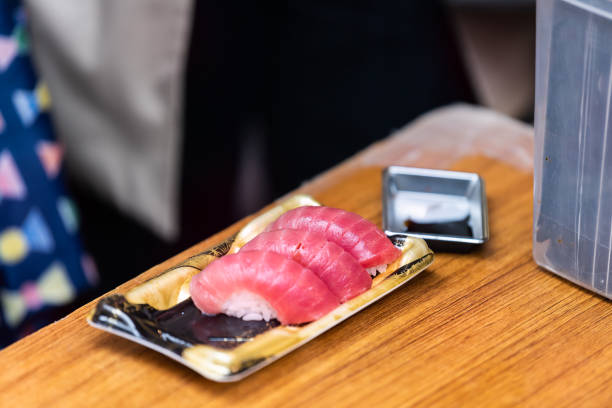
[248, 306]
[375, 270]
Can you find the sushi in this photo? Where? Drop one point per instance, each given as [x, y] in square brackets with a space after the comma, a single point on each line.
[306, 263]
[262, 285]
[356, 235]
[344, 276]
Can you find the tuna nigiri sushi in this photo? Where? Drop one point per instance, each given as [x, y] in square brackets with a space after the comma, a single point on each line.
[356, 235]
[256, 285]
[344, 276]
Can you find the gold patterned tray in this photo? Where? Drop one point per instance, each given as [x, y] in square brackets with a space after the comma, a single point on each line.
[159, 313]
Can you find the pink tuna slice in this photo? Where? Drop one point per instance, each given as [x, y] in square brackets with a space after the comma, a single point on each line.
[336, 267]
[295, 293]
[356, 235]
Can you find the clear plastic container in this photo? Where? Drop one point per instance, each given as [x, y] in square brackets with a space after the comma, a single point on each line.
[572, 234]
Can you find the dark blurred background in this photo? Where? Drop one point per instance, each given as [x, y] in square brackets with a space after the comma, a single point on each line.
[276, 93]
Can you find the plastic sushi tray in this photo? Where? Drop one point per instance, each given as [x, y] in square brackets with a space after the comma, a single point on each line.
[160, 314]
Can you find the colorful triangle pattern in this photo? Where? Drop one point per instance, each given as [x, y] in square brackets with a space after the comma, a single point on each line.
[20, 36]
[30, 103]
[37, 232]
[26, 106]
[11, 183]
[42, 264]
[50, 155]
[8, 51]
[90, 270]
[68, 214]
[43, 97]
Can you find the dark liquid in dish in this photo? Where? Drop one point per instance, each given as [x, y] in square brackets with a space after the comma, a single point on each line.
[461, 228]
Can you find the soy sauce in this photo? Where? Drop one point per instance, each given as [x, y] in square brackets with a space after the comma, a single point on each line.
[458, 228]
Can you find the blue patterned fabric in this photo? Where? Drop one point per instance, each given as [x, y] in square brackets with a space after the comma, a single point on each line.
[42, 264]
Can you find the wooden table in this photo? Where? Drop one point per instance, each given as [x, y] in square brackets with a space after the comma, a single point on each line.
[488, 328]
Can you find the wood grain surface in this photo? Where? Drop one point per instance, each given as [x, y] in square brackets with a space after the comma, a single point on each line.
[488, 328]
